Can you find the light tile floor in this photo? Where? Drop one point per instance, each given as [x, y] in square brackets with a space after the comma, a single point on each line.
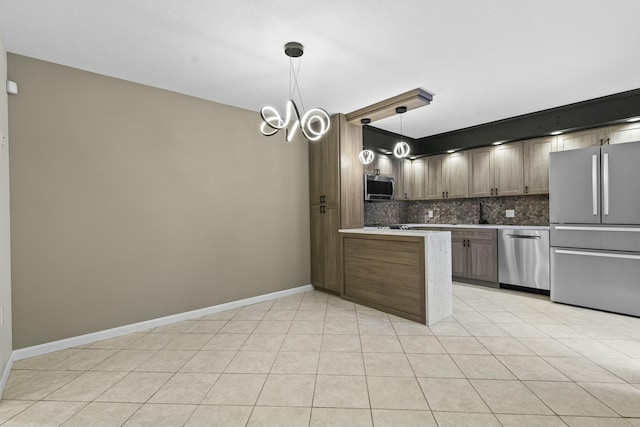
[504, 359]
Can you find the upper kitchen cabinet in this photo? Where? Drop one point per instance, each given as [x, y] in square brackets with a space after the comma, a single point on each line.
[581, 139]
[381, 165]
[620, 134]
[536, 164]
[406, 170]
[402, 176]
[418, 174]
[455, 175]
[496, 170]
[384, 165]
[433, 187]
[509, 176]
[481, 182]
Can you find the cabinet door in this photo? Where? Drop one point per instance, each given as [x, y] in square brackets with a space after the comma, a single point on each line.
[481, 172]
[509, 173]
[407, 178]
[536, 165]
[458, 255]
[351, 176]
[434, 177]
[628, 132]
[332, 265]
[582, 139]
[417, 181]
[316, 172]
[455, 170]
[370, 169]
[383, 164]
[317, 247]
[331, 166]
[483, 259]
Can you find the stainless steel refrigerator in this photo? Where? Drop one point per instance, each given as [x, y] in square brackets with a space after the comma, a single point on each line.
[594, 210]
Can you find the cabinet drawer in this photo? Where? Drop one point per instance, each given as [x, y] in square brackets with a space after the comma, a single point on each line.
[472, 234]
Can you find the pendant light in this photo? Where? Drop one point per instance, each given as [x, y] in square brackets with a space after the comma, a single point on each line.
[313, 124]
[401, 149]
[366, 156]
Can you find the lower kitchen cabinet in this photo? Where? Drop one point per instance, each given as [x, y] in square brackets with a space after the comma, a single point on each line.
[474, 254]
[325, 247]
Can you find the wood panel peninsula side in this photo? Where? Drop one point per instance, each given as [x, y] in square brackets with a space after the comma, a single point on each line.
[405, 273]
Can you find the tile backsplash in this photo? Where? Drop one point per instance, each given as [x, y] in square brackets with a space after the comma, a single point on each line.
[529, 210]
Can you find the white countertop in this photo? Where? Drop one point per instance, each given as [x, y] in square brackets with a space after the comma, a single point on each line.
[389, 232]
[489, 226]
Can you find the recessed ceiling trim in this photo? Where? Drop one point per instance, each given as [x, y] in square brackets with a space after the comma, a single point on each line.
[412, 99]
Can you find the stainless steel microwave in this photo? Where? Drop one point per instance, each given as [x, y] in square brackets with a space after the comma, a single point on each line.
[377, 187]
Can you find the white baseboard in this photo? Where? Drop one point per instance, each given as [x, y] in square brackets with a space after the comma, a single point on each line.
[5, 374]
[50, 347]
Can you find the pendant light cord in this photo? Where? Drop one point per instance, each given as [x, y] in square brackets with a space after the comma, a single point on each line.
[295, 74]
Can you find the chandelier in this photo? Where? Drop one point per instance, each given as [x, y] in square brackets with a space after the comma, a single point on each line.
[313, 124]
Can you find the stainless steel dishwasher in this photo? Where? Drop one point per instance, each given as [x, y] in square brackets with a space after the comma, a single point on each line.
[523, 258]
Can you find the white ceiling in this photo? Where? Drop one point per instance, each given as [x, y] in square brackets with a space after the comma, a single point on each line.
[483, 60]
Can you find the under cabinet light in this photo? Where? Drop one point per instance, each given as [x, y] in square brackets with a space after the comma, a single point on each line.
[557, 132]
[633, 119]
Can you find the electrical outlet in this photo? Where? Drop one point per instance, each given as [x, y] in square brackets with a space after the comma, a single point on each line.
[510, 213]
[430, 214]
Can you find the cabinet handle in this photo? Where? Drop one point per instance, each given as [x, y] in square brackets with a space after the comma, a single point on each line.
[447, 194]
[492, 191]
[607, 141]
[443, 194]
[526, 189]
[601, 141]
[496, 191]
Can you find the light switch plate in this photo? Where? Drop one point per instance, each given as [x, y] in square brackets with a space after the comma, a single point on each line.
[510, 213]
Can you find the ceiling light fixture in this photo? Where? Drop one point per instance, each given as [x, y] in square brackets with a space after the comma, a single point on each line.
[366, 156]
[557, 132]
[633, 119]
[313, 124]
[401, 149]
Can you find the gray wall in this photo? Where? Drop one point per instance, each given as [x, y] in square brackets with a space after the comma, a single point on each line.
[5, 258]
[130, 203]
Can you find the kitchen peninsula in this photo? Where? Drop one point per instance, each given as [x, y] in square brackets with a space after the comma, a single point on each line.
[406, 273]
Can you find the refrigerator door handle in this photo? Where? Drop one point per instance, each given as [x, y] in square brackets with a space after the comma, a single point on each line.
[594, 183]
[605, 183]
[574, 228]
[597, 254]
